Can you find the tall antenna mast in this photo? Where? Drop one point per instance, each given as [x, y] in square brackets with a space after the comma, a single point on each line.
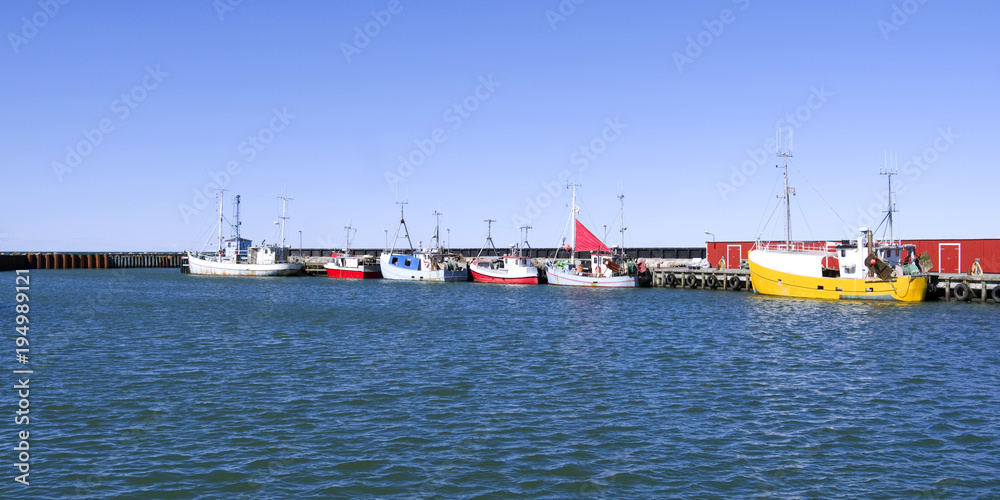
[284, 203]
[236, 226]
[889, 170]
[789, 191]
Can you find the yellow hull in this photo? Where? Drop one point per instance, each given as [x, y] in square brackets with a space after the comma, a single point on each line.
[770, 282]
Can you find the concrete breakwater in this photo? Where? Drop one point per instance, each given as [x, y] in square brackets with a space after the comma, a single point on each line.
[88, 260]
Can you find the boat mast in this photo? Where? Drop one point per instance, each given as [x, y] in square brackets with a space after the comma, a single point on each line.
[437, 229]
[621, 215]
[572, 209]
[524, 239]
[219, 251]
[789, 191]
[489, 238]
[284, 203]
[889, 172]
[347, 239]
[402, 224]
[236, 226]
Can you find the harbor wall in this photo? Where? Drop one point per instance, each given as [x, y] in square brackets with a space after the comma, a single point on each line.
[88, 260]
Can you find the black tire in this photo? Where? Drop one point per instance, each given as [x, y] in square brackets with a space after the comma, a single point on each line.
[712, 282]
[671, 280]
[962, 292]
[735, 283]
[995, 294]
[691, 281]
[931, 289]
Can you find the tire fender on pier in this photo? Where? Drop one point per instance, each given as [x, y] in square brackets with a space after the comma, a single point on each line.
[962, 292]
[712, 282]
[995, 293]
[671, 280]
[735, 283]
[691, 280]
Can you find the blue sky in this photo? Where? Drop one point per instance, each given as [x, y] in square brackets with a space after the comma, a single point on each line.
[117, 115]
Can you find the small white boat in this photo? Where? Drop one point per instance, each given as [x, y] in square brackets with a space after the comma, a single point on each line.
[430, 264]
[607, 269]
[238, 257]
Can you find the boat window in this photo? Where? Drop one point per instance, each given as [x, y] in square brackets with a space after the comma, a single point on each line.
[407, 263]
[395, 259]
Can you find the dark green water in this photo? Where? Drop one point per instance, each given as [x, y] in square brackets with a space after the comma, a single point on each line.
[149, 383]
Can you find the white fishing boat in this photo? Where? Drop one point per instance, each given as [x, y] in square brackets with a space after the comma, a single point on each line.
[426, 264]
[607, 268]
[238, 257]
[511, 269]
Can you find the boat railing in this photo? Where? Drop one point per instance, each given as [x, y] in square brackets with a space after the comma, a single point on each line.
[796, 246]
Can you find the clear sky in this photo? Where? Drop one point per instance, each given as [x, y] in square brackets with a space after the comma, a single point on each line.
[119, 118]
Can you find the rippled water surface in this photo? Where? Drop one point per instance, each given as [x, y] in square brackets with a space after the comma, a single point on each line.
[150, 383]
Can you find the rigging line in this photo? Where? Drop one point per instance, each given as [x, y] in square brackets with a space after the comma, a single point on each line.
[760, 228]
[773, 226]
[806, 222]
[764, 227]
[819, 194]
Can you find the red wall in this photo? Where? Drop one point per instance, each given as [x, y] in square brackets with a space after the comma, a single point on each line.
[942, 252]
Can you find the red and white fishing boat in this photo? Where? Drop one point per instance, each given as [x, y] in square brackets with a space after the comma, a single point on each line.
[512, 269]
[352, 266]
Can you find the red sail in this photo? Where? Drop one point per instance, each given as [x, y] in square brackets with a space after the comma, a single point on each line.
[586, 241]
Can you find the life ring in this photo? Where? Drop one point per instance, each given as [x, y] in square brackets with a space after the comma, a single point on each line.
[712, 281]
[691, 281]
[670, 280]
[735, 283]
[995, 294]
[962, 292]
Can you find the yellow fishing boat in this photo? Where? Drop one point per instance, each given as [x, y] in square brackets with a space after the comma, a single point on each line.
[849, 269]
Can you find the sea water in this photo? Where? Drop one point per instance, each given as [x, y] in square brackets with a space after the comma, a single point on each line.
[150, 383]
